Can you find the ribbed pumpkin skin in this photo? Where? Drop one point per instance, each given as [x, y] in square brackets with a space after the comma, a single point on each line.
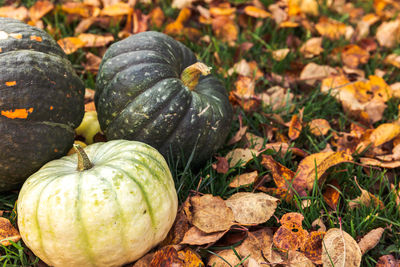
[140, 96]
[108, 215]
[41, 101]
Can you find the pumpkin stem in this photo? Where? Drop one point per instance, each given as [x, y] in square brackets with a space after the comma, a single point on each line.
[83, 159]
[190, 76]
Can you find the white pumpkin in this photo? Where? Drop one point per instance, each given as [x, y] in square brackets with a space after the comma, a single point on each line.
[107, 214]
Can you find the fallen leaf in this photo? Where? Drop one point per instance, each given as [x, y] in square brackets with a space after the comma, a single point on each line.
[117, 9]
[387, 261]
[84, 25]
[319, 127]
[277, 98]
[364, 25]
[370, 240]
[280, 54]
[388, 33]
[196, 237]
[239, 134]
[76, 8]
[144, 261]
[393, 59]
[254, 141]
[190, 258]
[252, 208]
[181, 3]
[222, 165]
[211, 214]
[256, 12]
[312, 247]
[39, 9]
[241, 156]
[318, 222]
[312, 73]
[20, 13]
[353, 56]
[244, 179]
[8, 232]
[331, 194]
[297, 259]
[295, 127]
[95, 40]
[167, 256]
[176, 27]
[330, 28]
[92, 63]
[157, 17]
[225, 29]
[314, 167]
[384, 133]
[70, 44]
[365, 199]
[340, 249]
[290, 235]
[282, 176]
[312, 47]
[224, 258]
[178, 230]
[375, 162]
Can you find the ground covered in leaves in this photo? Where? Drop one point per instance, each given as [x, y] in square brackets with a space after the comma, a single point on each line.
[309, 174]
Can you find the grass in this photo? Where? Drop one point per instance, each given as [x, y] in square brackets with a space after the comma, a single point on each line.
[316, 105]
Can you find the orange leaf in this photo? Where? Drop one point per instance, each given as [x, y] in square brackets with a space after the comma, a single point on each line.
[282, 176]
[353, 55]
[319, 127]
[175, 28]
[225, 29]
[314, 167]
[331, 194]
[76, 8]
[70, 44]
[384, 133]
[157, 17]
[8, 232]
[330, 28]
[39, 9]
[95, 40]
[167, 256]
[291, 235]
[312, 247]
[20, 13]
[117, 9]
[256, 12]
[295, 127]
[190, 258]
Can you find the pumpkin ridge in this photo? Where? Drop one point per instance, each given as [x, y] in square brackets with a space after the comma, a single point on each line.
[140, 93]
[144, 194]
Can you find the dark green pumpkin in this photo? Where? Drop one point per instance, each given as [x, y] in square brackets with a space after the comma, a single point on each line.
[41, 101]
[140, 96]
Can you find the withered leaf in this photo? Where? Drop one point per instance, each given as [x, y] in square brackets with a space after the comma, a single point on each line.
[167, 256]
[319, 127]
[190, 258]
[387, 261]
[70, 44]
[20, 13]
[210, 214]
[340, 249]
[240, 155]
[39, 9]
[312, 247]
[178, 230]
[384, 133]
[224, 258]
[95, 40]
[256, 12]
[144, 261]
[370, 240]
[330, 28]
[314, 167]
[196, 237]
[353, 55]
[375, 162]
[222, 165]
[8, 232]
[117, 9]
[295, 127]
[387, 33]
[297, 259]
[312, 47]
[244, 179]
[366, 199]
[252, 208]
[291, 235]
[331, 194]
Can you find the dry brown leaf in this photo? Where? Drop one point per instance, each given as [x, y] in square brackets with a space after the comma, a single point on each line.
[157, 17]
[312, 73]
[117, 9]
[314, 167]
[239, 134]
[252, 208]
[210, 214]
[291, 235]
[176, 27]
[92, 63]
[225, 29]
[76, 8]
[70, 44]
[312, 47]
[178, 229]
[370, 240]
[167, 256]
[283, 148]
[222, 165]
[365, 199]
[281, 175]
[378, 163]
[312, 247]
[393, 59]
[384, 133]
[144, 261]
[353, 56]
[244, 179]
[388, 33]
[387, 261]
[280, 54]
[181, 3]
[254, 141]
[295, 127]
[241, 155]
[84, 25]
[364, 24]
[318, 222]
[331, 194]
[190, 258]
[297, 259]
[340, 249]
[39, 9]
[277, 98]
[319, 127]
[330, 28]
[20, 13]
[8, 232]
[95, 40]
[224, 258]
[256, 12]
[196, 237]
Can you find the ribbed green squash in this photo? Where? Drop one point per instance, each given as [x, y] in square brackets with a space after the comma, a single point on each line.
[140, 96]
[41, 101]
[108, 215]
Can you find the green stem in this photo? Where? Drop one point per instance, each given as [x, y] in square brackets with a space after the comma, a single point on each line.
[190, 76]
[83, 159]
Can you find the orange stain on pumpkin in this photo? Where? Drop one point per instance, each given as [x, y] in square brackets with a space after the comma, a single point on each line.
[19, 113]
[11, 83]
[16, 35]
[51, 107]
[1, 50]
[36, 38]
[55, 150]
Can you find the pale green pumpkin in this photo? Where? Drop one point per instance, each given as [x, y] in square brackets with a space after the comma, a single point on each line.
[108, 215]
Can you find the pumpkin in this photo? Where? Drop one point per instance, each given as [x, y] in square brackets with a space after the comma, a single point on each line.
[41, 101]
[151, 88]
[118, 204]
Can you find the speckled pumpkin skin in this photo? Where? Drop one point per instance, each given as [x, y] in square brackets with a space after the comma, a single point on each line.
[108, 215]
[41, 101]
[140, 96]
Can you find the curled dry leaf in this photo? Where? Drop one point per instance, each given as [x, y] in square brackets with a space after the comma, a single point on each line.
[365, 199]
[340, 249]
[241, 155]
[312, 47]
[319, 127]
[222, 165]
[314, 167]
[370, 240]
[178, 230]
[224, 258]
[39, 9]
[295, 127]
[20, 13]
[331, 194]
[211, 214]
[256, 12]
[244, 179]
[95, 40]
[291, 235]
[378, 163]
[196, 237]
[252, 208]
[318, 222]
[8, 232]
[282, 176]
[84, 25]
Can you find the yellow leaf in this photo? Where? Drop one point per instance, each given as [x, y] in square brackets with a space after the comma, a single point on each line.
[39, 9]
[384, 133]
[240, 155]
[330, 28]
[95, 40]
[117, 9]
[70, 44]
[20, 13]
[319, 127]
[256, 12]
[280, 54]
